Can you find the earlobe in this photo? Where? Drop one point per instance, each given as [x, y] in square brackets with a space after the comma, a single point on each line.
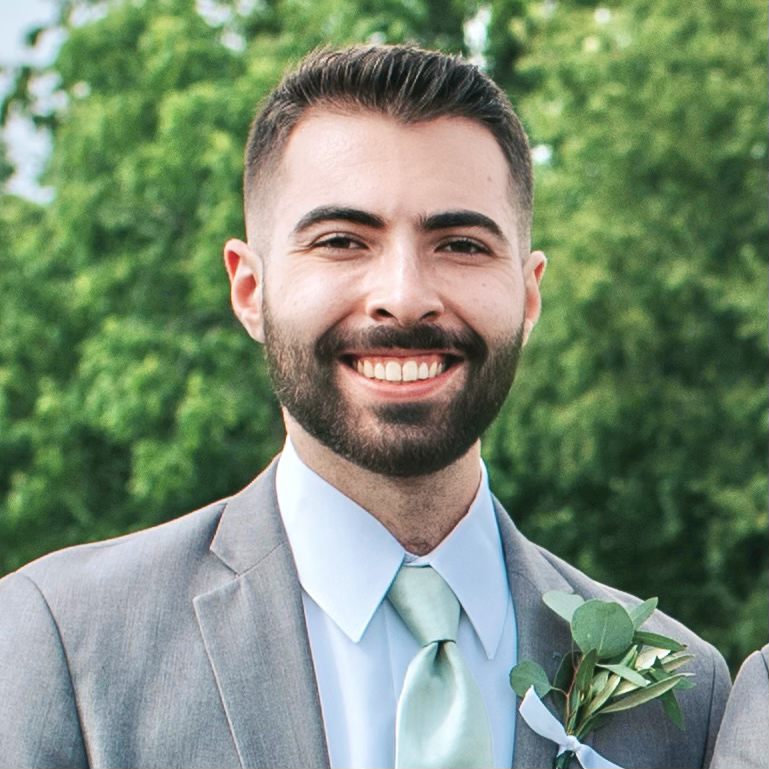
[244, 269]
[533, 270]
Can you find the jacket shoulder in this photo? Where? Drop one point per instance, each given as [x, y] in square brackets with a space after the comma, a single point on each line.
[111, 569]
[659, 622]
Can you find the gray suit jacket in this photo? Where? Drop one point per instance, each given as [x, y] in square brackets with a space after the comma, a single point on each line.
[185, 646]
[743, 740]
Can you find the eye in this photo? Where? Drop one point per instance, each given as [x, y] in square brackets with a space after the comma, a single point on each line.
[463, 246]
[338, 242]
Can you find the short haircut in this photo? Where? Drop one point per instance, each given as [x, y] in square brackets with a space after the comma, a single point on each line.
[404, 82]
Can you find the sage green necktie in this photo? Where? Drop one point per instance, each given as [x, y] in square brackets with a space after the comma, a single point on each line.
[441, 719]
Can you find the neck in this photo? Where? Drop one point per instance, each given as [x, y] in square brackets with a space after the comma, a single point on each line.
[419, 512]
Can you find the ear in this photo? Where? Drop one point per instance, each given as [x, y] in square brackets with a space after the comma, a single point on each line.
[533, 270]
[244, 269]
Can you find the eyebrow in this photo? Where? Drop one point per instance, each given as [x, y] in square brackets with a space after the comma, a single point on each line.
[447, 219]
[338, 213]
[443, 220]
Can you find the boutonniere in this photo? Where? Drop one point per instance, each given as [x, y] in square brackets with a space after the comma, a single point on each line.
[613, 665]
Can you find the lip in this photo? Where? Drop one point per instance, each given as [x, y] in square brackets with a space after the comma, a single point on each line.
[400, 390]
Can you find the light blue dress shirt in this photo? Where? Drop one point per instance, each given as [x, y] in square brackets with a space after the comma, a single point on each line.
[346, 561]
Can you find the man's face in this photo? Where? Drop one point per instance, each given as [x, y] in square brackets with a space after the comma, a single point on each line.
[394, 298]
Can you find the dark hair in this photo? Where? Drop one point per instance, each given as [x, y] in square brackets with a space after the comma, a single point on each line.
[407, 83]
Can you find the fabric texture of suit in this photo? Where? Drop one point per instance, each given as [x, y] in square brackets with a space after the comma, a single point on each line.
[185, 646]
[743, 740]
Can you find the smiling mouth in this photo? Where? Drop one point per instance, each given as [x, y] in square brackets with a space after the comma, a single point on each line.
[403, 369]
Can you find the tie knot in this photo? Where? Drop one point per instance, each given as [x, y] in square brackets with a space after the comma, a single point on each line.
[425, 603]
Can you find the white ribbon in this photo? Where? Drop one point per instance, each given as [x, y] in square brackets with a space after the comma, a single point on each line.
[545, 724]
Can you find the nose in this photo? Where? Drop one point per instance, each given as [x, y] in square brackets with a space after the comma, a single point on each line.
[403, 290]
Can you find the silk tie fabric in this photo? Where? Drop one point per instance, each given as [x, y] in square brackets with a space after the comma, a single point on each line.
[441, 719]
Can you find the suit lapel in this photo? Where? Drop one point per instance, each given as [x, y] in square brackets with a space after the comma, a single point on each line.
[255, 635]
[542, 636]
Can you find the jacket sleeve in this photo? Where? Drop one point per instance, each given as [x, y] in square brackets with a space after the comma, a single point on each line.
[39, 724]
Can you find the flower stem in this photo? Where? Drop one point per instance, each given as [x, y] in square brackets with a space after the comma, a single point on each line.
[563, 760]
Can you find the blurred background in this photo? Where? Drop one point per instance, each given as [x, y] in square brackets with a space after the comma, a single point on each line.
[634, 442]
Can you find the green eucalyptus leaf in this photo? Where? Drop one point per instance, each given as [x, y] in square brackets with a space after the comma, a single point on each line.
[562, 603]
[629, 659]
[590, 724]
[627, 673]
[600, 680]
[639, 614]
[674, 661]
[580, 689]
[602, 625]
[672, 709]
[584, 674]
[558, 701]
[526, 674]
[575, 702]
[562, 682]
[649, 657]
[655, 639]
[625, 687]
[608, 690]
[642, 695]
[658, 673]
[584, 727]
[565, 673]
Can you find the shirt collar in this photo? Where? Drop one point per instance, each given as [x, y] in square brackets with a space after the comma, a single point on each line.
[346, 559]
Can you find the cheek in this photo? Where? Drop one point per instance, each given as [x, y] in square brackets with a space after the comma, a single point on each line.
[492, 304]
[307, 301]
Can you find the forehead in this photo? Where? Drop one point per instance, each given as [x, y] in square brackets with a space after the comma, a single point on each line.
[374, 162]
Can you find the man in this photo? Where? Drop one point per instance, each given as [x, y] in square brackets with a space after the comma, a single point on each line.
[362, 602]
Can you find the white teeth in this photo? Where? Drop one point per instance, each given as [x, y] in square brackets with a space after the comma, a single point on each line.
[393, 371]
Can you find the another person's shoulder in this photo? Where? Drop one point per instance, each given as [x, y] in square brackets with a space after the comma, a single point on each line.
[755, 668]
[743, 740]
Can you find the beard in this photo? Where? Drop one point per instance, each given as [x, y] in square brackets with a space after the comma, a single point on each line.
[408, 439]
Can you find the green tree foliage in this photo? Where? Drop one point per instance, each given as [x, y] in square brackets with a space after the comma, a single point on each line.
[139, 412]
[634, 442]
